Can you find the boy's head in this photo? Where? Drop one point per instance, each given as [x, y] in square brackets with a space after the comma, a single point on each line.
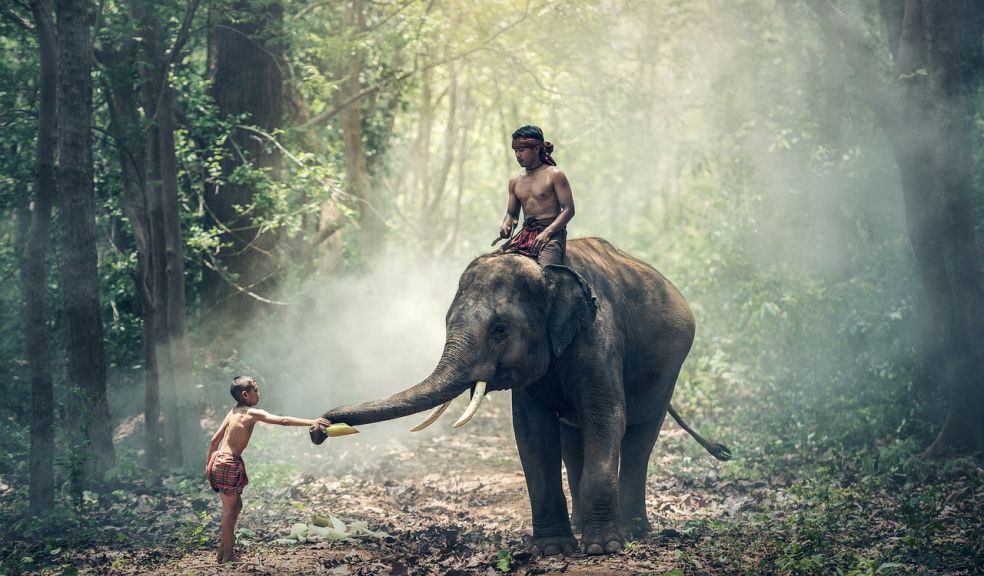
[531, 137]
[244, 391]
[528, 131]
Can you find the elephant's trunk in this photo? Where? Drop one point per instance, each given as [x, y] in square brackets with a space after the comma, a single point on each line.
[443, 385]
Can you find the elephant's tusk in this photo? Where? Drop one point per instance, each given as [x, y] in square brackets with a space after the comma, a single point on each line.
[434, 415]
[473, 405]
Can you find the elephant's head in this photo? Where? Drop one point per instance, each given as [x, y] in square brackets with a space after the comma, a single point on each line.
[508, 319]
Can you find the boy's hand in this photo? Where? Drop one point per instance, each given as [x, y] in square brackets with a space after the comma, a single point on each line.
[505, 231]
[321, 424]
[541, 241]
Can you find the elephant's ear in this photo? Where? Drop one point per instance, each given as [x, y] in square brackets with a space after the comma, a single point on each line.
[572, 306]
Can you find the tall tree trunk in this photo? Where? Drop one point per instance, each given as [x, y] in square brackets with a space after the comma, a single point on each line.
[420, 169]
[449, 245]
[125, 126]
[38, 345]
[371, 236]
[926, 116]
[86, 377]
[183, 434]
[441, 181]
[188, 405]
[157, 261]
[158, 273]
[246, 68]
[936, 163]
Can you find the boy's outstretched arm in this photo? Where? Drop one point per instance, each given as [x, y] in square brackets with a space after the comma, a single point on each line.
[264, 416]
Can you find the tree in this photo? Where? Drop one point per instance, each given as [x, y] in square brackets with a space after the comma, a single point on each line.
[147, 156]
[356, 164]
[247, 70]
[86, 378]
[925, 111]
[38, 344]
[125, 125]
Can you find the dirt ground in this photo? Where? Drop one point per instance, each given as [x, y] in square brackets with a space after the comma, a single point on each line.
[454, 502]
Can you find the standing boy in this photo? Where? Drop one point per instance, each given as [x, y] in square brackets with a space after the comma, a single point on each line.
[546, 198]
[225, 469]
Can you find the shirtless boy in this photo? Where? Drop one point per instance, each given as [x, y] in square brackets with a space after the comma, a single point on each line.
[546, 198]
[225, 469]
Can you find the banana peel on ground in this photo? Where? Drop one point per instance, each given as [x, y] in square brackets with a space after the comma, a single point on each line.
[329, 527]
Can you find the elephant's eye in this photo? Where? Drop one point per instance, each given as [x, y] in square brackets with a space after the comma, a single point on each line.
[500, 331]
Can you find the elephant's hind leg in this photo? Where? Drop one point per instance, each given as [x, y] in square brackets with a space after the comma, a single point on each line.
[637, 445]
[572, 449]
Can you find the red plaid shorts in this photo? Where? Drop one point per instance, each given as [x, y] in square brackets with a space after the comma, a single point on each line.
[226, 473]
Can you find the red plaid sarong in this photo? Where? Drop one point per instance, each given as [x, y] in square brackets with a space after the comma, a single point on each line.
[227, 473]
[523, 242]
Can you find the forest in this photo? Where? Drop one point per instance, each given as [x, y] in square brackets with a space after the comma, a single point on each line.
[195, 190]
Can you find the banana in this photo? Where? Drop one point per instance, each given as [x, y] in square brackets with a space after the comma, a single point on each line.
[338, 429]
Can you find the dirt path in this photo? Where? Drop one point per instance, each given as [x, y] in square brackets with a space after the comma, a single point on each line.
[454, 503]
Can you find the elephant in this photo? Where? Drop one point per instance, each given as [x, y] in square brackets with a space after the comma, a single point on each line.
[591, 351]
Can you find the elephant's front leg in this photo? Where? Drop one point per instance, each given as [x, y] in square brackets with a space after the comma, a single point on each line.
[602, 428]
[538, 439]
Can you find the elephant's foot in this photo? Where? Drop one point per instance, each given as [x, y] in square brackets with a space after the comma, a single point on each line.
[551, 545]
[601, 541]
[636, 527]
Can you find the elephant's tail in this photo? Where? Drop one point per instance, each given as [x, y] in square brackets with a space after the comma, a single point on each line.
[719, 451]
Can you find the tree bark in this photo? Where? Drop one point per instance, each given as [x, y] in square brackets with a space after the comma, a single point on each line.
[38, 344]
[440, 183]
[246, 68]
[358, 181]
[131, 151]
[182, 433]
[449, 245]
[86, 379]
[938, 163]
[188, 405]
[926, 115]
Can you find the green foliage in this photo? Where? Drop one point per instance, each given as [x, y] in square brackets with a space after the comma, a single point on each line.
[193, 534]
[503, 561]
[130, 467]
[850, 513]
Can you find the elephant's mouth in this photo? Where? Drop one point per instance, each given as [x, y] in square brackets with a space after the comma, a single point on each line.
[478, 394]
[503, 379]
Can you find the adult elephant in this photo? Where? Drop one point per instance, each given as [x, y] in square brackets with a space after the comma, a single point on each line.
[591, 352]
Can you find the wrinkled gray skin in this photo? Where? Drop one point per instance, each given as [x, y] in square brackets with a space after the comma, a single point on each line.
[591, 352]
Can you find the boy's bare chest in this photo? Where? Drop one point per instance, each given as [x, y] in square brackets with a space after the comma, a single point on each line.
[534, 188]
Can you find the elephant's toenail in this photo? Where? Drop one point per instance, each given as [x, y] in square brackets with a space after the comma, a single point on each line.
[613, 546]
[595, 549]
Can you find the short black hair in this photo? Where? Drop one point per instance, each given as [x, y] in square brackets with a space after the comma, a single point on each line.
[241, 384]
[529, 131]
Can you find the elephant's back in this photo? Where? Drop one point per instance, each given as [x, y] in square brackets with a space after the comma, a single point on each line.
[643, 301]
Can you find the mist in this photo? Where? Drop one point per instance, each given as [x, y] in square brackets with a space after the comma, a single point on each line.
[291, 189]
[719, 142]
